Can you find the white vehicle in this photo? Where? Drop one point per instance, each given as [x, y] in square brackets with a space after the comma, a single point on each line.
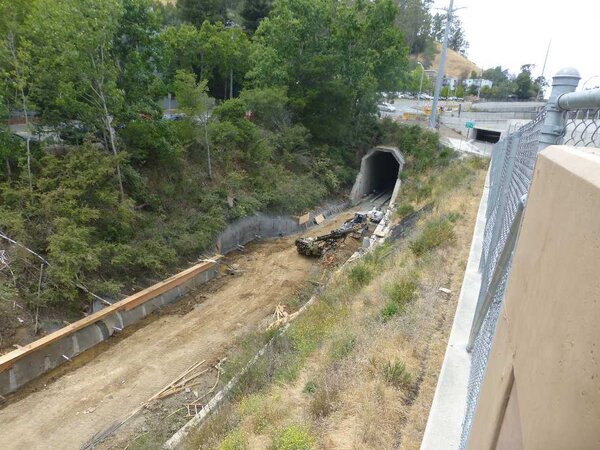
[386, 107]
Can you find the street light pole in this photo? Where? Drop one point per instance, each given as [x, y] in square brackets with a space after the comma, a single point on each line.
[421, 84]
[440, 74]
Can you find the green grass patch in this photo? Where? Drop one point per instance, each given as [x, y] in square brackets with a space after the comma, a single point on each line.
[436, 233]
[404, 210]
[293, 437]
[341, 348]
[360, 274]
[235, 440]
[395, 373]
[310, 387]
[399, 293]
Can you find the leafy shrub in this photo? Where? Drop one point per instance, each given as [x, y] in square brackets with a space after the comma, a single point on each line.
[293, 437]
[395, 373]
[401, 292]
[360, 274]
[405, 209]
[437, 232]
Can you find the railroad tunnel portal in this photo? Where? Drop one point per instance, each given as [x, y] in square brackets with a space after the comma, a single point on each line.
[379, 171]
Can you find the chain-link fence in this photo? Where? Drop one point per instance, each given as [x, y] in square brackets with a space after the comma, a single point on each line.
[570, 119]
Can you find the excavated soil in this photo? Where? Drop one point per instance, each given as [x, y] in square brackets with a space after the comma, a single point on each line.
[66, 408]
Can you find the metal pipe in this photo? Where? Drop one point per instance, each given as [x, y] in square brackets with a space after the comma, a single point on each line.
[564, 82]
[579, 100]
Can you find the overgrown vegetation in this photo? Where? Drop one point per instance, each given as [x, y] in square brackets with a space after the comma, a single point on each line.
[340, 353]
[113, 193]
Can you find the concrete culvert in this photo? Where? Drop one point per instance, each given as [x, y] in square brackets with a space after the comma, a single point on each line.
[379, 172]
[487, 135]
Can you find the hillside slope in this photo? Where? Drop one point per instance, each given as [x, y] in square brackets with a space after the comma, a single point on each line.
[457, 65]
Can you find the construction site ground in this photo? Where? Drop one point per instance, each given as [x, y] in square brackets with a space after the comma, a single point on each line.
[66, 408]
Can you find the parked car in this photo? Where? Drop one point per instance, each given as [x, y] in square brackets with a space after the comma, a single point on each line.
[386, 107]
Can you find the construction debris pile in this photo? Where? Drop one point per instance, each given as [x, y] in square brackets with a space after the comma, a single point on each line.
[320, 245]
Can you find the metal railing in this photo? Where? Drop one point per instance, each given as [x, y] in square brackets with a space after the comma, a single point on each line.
[570, 118]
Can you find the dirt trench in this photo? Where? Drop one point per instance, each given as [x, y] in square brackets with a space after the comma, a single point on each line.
[65, 411]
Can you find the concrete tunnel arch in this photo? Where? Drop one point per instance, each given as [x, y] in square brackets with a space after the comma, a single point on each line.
[379, 171]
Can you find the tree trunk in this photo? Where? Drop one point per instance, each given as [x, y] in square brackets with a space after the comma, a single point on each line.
[111, 136]
[230, 83]
[207, 146]
[8, 171]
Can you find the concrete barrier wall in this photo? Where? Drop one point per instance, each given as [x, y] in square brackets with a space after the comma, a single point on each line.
[37, 362]
[541, 385]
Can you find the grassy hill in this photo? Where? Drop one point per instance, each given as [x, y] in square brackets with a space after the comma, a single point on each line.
[456, 64]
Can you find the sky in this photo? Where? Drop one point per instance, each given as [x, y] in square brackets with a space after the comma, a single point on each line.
[510, 33]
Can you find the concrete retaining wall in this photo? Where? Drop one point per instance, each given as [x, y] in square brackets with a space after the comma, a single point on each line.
[51, 356]
[262, 226]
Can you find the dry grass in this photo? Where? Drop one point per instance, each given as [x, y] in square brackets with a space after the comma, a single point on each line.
[351, 379]
[456, 64]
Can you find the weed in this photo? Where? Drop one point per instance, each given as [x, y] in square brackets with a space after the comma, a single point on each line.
[396, 374]
[389, 311]
[401, 292]
[437, 232]
[235, 440]
[293, 437]
[360, 274]
[310, 387]
[324, 400]
[342, 347]
[454, 216]
[214, 429]
[404, 210]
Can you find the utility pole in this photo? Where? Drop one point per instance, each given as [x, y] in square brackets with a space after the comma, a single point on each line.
[537, 97]
[440, 73]
[421, 84]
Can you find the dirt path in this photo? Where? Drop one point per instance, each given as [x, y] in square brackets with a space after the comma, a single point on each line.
[66, 413]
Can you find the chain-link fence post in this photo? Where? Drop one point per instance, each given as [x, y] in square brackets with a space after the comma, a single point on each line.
[565, 81]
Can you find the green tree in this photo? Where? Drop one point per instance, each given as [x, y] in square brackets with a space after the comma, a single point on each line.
[460, 92]
[333, 58]
[414, 20]
[15, 64]
[525, 88]
[197, 11]
[496, 75]
[76, 74]
[193, 99]
[138, 53]
[254, 11]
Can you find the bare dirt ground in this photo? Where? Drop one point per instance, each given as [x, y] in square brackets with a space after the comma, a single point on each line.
[65, 409]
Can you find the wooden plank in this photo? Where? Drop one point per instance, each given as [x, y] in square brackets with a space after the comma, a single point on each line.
[126, 304]
[303, 219]
[319, 219]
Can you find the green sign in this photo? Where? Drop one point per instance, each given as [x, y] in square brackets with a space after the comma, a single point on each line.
[469, 124]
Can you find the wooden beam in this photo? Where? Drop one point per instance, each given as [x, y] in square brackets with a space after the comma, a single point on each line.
[7, 360]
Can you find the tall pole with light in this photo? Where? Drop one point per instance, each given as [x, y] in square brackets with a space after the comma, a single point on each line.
[440, 74]
[421, 84]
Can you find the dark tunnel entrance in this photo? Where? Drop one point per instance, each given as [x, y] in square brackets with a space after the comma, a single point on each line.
[487, 135]
[381, 172]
